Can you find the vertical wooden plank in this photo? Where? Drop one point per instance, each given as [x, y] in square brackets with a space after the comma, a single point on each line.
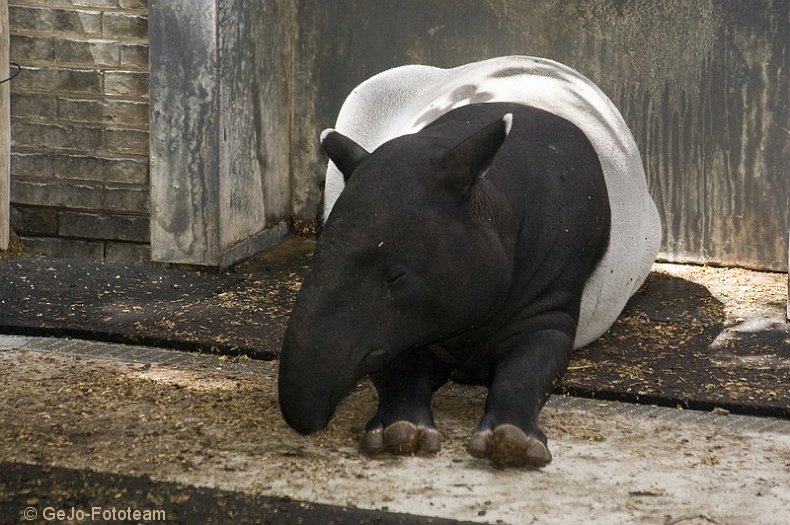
[5, 130]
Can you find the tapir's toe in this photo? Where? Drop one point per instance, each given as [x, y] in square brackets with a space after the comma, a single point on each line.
[402, 438]
[373, 441]
[509, 446]
[479, 444]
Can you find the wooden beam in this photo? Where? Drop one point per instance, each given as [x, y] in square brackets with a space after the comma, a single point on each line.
[5, 131]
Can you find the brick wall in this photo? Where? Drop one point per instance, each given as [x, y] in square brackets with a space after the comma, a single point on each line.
[79, 128]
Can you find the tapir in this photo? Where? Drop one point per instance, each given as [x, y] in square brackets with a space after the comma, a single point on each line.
[480, 223]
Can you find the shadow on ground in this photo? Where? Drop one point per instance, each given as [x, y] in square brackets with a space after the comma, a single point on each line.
[659, 349]
[35, 493]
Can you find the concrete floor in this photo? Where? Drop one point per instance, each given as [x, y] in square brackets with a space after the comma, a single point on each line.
[213, 422]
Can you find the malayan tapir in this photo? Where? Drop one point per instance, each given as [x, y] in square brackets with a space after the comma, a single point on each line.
[481, 222]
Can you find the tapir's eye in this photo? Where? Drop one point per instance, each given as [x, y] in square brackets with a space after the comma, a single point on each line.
[395, 274]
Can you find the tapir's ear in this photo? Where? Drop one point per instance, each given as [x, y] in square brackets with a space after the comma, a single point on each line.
[469, 160]
[344, 152]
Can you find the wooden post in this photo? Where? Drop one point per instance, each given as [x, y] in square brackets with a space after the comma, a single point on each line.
[220, 141]
[5, 131]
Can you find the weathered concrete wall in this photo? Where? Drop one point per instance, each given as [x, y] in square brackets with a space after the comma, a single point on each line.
[241, 91]
[255, 47]
[184, 131]
[703, 85]
[79, 126]
[220, 119]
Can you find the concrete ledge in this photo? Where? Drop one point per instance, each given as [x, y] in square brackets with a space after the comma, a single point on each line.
[257, 243]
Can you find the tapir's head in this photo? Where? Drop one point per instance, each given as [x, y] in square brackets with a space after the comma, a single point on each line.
[410, 256]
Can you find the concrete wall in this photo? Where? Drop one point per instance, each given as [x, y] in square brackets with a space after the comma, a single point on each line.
[79, 111]
[241, 90]
[704, 86]
[220, 127]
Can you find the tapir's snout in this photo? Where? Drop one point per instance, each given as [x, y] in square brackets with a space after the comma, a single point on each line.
[303, 413]
[309, 387]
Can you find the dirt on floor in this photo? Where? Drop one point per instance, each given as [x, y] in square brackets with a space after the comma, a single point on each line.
[230, 313]
[219, 425]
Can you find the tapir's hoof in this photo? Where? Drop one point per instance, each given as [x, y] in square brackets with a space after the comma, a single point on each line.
[402, 438]
[509, 446]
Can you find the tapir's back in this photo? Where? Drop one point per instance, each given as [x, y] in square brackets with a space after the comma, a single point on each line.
[405, 99]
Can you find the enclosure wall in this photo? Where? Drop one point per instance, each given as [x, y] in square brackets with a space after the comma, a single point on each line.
[79, 127]
[704, 86]
[241, 91]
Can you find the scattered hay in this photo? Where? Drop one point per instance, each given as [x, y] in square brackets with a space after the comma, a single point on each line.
[15, 248]
[304, 227]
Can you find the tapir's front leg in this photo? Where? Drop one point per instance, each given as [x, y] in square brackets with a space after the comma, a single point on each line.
[522, 381]
[404, 423]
